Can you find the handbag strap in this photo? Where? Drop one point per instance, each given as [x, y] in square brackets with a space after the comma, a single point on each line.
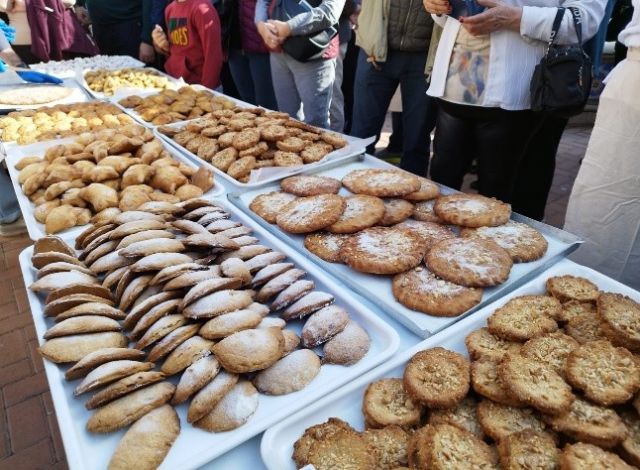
[577, 22]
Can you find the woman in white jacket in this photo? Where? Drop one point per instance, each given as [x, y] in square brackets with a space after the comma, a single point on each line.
[481, 75]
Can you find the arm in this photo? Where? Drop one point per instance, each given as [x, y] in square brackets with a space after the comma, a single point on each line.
[262, 11]
[207, 25]
[319, 18]
[156, 12]
[267, 32]
[537, 21]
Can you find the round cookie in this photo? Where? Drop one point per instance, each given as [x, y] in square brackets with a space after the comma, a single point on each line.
[522, 242]
[309, 214]
[423, 211]
[348, 346]
[246, 139]
[273, 132]
[551, 349]
[463, 416]
[269, 205]
[390, 445]
[486, 381]
[429, 232]
[445, 446]
[566, 288]
[325, 245]
[344, 449]
[250, 350]
[620, 317]
[529, 446]
[291, 373]
[421, 290]
[428, 191]
[381, 183]
[580, 456]
[315, 152]
[523, 318]
[386, 403]
[314, 434]
[499, 421]
[396, 211]
[586, 327]
[469, 262]
[291, 144]
[281, 158]
[382, 250]
[472, 210]
[437, 378]
[360, 212]
[483, 344]
[335, 140]
[309, 185]
[630, 447]
[607, 375]
[535, 384]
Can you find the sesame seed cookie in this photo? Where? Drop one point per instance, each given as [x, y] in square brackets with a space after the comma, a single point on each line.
[463, 416]
[486, 381]
[344, 449]
[499, 421]
[387, 403]
[335, 140]
[291, 144]
[482, 344]
[315, 152]
[390, 445]
[281, 158]
[523, 318]
[447, 446]
[528, 446]
[522, 242]
[551, 349]
[630, 447]
[566, 288]
[580, 456]
[620, 317]
[585, 328]
[314, 434]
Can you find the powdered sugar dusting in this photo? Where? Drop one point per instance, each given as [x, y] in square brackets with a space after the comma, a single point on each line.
[509, 235]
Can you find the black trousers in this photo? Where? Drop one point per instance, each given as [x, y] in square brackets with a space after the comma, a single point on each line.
[495, 137]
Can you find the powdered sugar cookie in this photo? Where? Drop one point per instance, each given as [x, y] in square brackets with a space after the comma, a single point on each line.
[309, 214]
[309, 185]
[326, 245]
[429, 232]
[524, 243]
[324, 325]
[472, 210]
[360, 212]
[423, 211]
[234, 410]
[428, 191]
[469, 262]
[421, 290]
[308, 304]
[290, 374]
[269, 205]
[396, 211]
[348, 346]
[381, 183]
[382, 250]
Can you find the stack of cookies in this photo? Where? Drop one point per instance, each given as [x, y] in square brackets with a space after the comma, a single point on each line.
[441, 250]
[194, 292]
[537, 393]
[237, 141]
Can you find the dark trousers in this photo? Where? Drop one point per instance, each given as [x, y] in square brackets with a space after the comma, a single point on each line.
[497, 138]
[349, 67]
[374, 88]
[122, 38]
[252, 75]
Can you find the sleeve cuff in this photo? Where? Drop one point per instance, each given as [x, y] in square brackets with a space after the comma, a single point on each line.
[533, 23]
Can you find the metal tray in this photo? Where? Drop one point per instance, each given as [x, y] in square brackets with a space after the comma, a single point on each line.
[377, 289]
[346, 403]
[36, 229]
[101, 96]
[194, 447]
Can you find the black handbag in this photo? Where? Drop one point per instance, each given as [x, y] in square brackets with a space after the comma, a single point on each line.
[561, 82]
[306, 48]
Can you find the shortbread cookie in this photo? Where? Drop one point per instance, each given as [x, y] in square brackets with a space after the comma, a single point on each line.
[325, 245]
[344, 449]
[429, 232]
[446, 446]
[396, 211]
[360, 212]
[586, 327]
[620, 317]
[347, 347]
[535, 384]
[428, 191]
[309, 214]
[482, 344]
[250, 350]
[580, 456]
[381, 183]
[324, 325]
[314, 434]
[421, 290]
[528, 446]
[566, 288]
[210, 395]
[390, 445]
[630, 447]
[437, 378]
[486, 381]
[607, 375]
[463, 416]
[472, 210]
[423, 211]
[235, 409]
[386, 403]
[499, 421]
[382, 250]
[469, 262]
[523, 318]
[522, 242]
[269, 205]
[310, 185]
[290, 374]
[551, 349]
[591, 423]
[146, 444]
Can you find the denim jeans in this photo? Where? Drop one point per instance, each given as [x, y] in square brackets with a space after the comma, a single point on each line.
[9, 208]
[252, 76]
[336, 111]
[374, 89]
[309, 84]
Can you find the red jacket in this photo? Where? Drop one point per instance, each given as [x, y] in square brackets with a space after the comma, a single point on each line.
[195, 51]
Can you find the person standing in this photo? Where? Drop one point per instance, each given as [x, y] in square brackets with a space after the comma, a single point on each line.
[604, 206]
[394, 37]
[296, 83]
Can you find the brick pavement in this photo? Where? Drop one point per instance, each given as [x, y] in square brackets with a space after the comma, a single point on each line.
[29, 434]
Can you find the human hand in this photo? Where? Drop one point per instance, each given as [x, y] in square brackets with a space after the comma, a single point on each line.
[146, 53]
[283, 31]
[269, 34]
[83, 15]
[160, 41]
[437, 7]
[496, 17]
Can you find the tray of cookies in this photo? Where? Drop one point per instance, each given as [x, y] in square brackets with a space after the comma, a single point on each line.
[64, 184]
[103, 83]
[159, 108]
[374, 228]
[188, 330]
[250, 147]
[31, 96]
[542, 375]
